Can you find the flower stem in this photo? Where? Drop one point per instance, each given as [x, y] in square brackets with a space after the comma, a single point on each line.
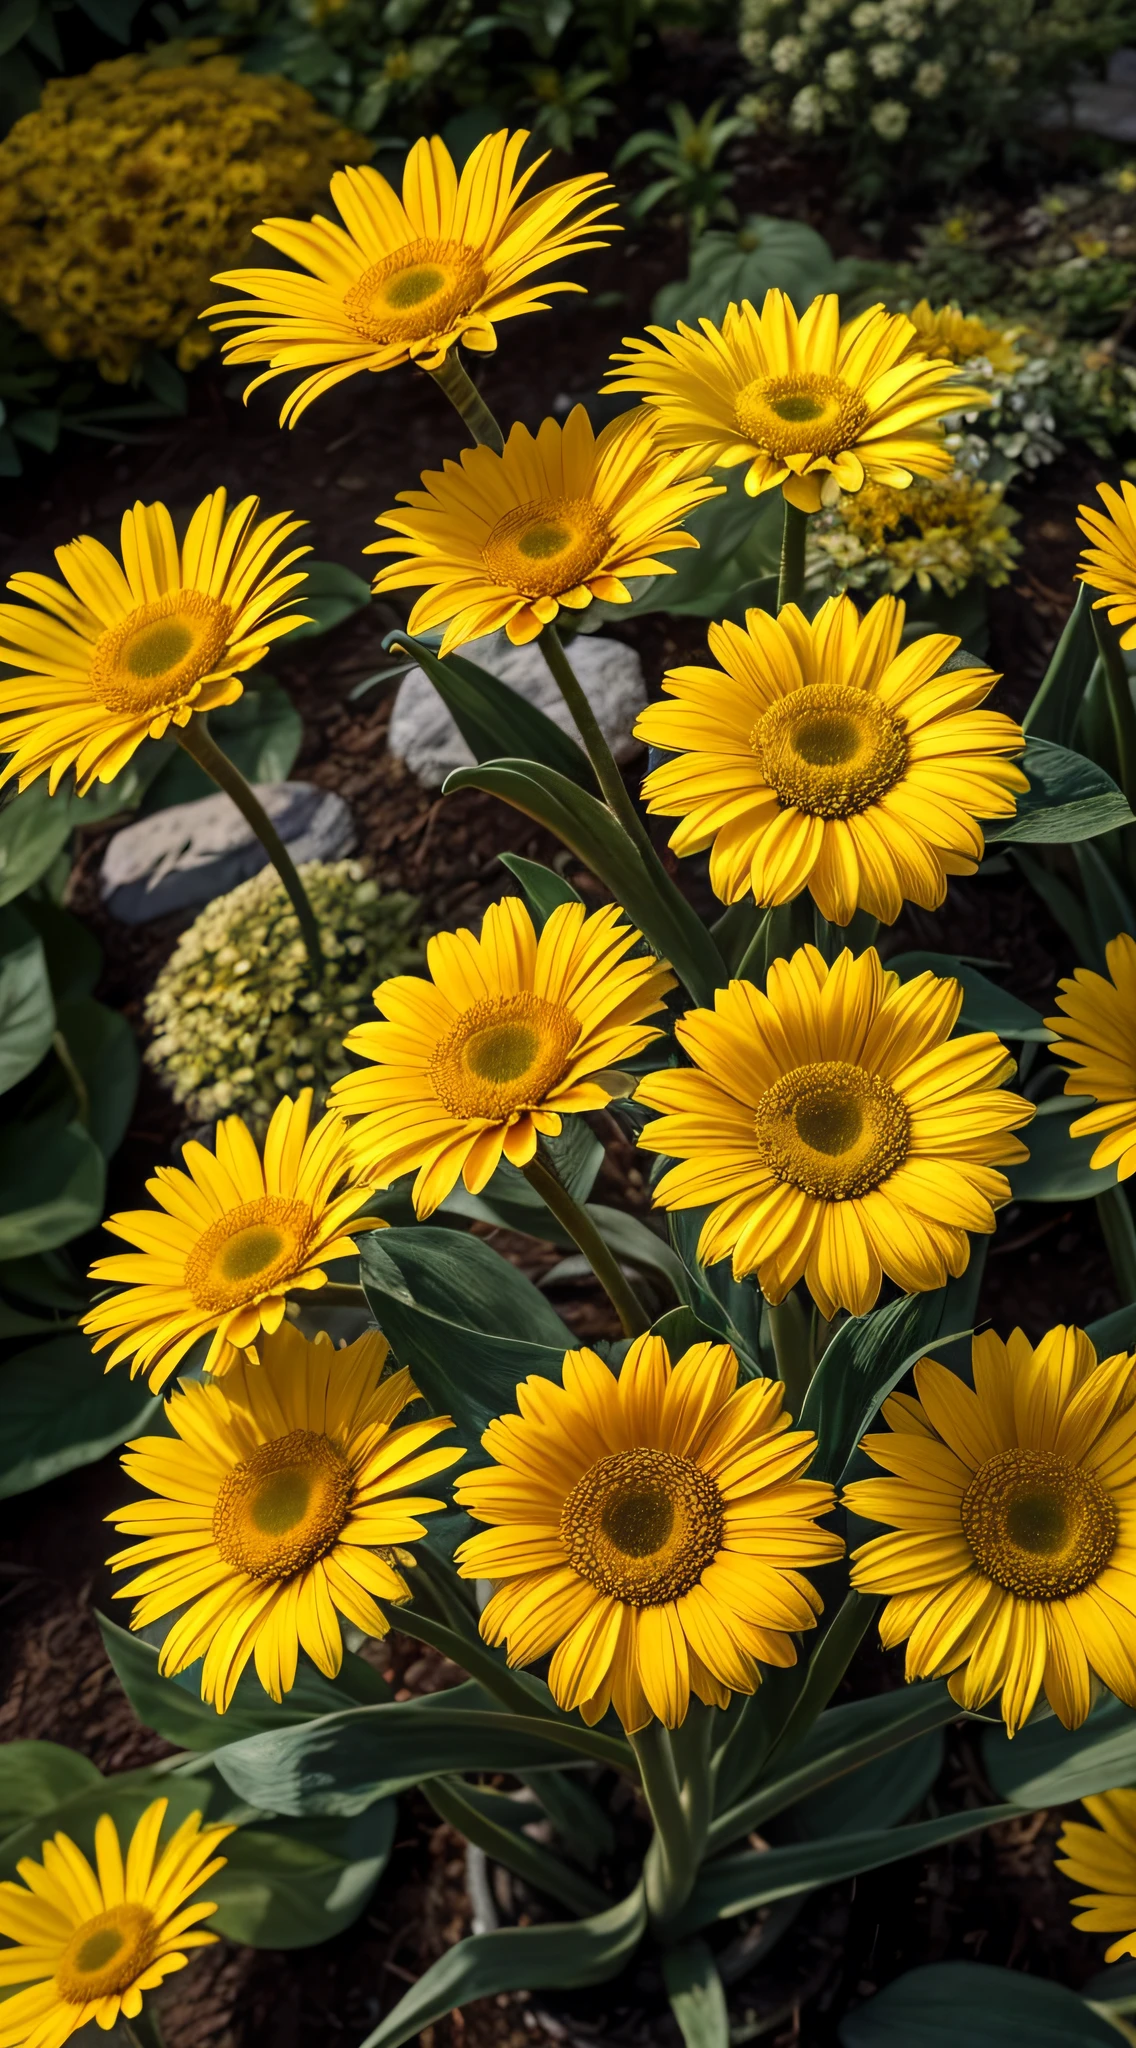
[599, 753]
[1121, 708]
[671, 1865]
[791, 581]
[691, 1745]
[202, 748]
[793, 1350]
[463, 394]
[1118, 1228]
[142, 2031]
[542, 1176]
[827, 1665]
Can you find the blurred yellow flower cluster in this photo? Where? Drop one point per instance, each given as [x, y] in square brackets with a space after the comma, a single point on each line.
[129, 186]
[941, 530]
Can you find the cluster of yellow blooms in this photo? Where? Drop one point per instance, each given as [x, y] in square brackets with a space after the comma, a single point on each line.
[942, 530]
[124, 190]
[650, 1528]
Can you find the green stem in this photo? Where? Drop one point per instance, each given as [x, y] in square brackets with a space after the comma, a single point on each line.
[691, 1744]
[792, 1346]
[671, 1867]
[1121, 708]
[78, 1086]
[791, 581]
[466, 400]
[827, 1665]
[632, 1315]
[202, 748]
[142, 2031]
[1118, 1228]
[599, 753]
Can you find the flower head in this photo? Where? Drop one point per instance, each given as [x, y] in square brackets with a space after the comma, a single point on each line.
[228, 1241]
[824, 756]
[1097, 1030]
[651, 1528]
[511, 1032]
[89, 1940]
[948, 331]
[837, 1128]
[1105, 1858]
[809, 404]
[1014, 1510]
[1109, 563]
[405, 280]
[281, 1500]
[505, 540]
[121, 650]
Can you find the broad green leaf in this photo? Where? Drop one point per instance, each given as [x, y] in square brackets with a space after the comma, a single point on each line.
[696, 1994]
[866, 1359]
[493, 719]
[114, 17]
[1114, 1333]
[35, 1776]
[652, 901]
[1048, 1765]
[105, 1051]
[27, 1014]
[1069, 798]
[1060, 694]
[1058, 1168]
[16, 18]
[290, 1886]
[46, 1279]
[985, 1006]
[545, 889]
[540, 1867]
[73, 954]
[63, 1409]
[125, 1797]
[34, 827]
[764, 253]
[731, 1308]
[261, 733]
[733, 567]
[1107, 901]
[944, 2005]
[331, 594]
[52, 1182]
[517, 1959]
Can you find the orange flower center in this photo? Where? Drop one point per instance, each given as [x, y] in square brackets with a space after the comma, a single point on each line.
[502, 1057]
[832, 1129]
[156, 657]
[830, 750]
[805, 413]
[281, 1510]
[106, 1953]
[421, 290]
[248, 1252]
[546, 547]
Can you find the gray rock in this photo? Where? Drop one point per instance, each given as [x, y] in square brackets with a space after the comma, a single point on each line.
[423, 734]
[190, 853]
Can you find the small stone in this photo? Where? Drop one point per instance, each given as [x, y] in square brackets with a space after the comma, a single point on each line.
[423, 734]
[190, 853]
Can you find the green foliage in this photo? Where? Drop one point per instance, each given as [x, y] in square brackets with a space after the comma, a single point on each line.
[945, 2003]
[686, 163]
[763, 254]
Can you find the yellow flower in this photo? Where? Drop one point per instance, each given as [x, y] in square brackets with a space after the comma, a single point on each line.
[120, 650]
[940, 530]
[650, 1528]
[281, 1502]
[1099, 1042]
[828, 757]
[511, 1032]
[1011, 1567]
[405, 281]
[1105, 1858]
[89, 1941]
[948, 331]
[1109, 564]
[230, 1239]
[808, 404]
[505, 540]
[838, 1129]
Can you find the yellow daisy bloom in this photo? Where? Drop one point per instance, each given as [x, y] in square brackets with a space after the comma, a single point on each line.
[121, 649]
[406, 280]
[838, 1130]
[650, 1527]
[281, 1503]
[511, 1032]
[1105, 1858]
[826, 756]
[1109, 563]
[809, 404]
[505, 540]
[89, 1941]
[1098, 1038]
[1012, 1566]
[229, 1240]
[948, 331]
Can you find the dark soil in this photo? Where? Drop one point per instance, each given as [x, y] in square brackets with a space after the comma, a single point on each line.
[997, 1896]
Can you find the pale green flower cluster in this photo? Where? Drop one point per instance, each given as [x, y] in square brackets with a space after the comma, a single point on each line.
[941, 531]
[235, 1018]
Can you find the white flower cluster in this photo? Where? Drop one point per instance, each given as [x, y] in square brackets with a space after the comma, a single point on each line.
[1019, 423]
[236, 1020]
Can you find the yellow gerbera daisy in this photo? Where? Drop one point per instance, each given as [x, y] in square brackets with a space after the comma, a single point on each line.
[120, 650]
[1098, 1028]
[948, 331]
[1109, 563]
[1105, 1858]
[405, 280]
[837, 1128]
[281, 1504]
[505, 540]
[1012, 1568]
[89, 1941]
[824, 755]
[229, 1240]
[808, 404]
[510, 1033]
[651, 1527]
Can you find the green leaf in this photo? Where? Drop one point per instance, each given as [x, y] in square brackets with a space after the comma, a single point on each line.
[34, 828]
[1048, 1765]
[27, 1014]
[16, 18]
[545, 889]
[944, 2005]
[291, 1886]
[261, 733]
[62, 1409]
[1114, 1333]
[164, 381]
[35, 1776]
[125, 1797]
[1069, 798]
[73, 954]
[696, 1994]
[764, 253]
[517, 1959]
[738, 1884]
[652, 901]
[114, 17]
[731, 1309]
[985, 1006]
[493, 719]
[1058, 1168]
[734, 565]
[330, 595]
[105, 1050]
[1060, 694]
[866, 1359]
[52, 1181]
[542, 1868]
